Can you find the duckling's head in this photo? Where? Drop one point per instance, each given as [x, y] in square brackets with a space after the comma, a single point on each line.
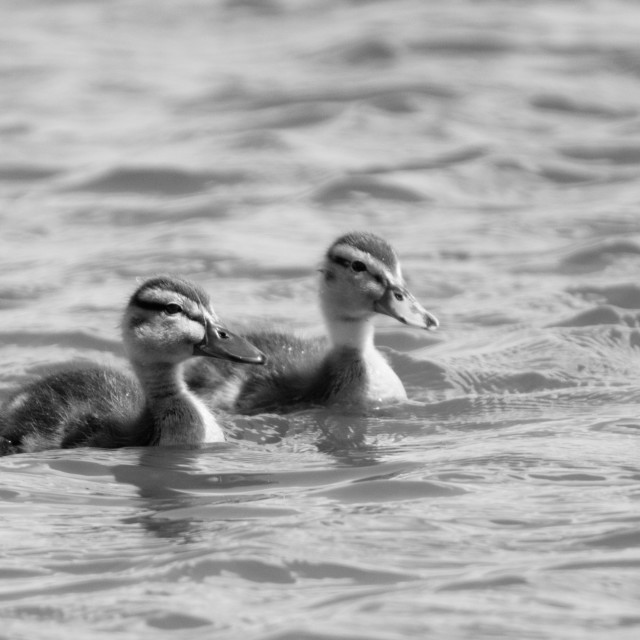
[361, 276]
[169, 320]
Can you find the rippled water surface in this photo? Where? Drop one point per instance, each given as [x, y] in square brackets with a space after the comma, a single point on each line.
[496, 144]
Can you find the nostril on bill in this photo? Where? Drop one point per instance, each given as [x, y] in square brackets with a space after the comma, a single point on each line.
[431, 322]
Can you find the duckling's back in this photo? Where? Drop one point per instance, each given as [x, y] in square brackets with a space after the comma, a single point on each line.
[283, 384]
[93, 406]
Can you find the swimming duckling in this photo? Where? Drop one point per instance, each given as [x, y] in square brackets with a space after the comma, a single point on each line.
[360, 276]
[167, 321]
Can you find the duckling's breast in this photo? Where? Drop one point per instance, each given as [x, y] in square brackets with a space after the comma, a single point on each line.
[356, 377]
[382, 382]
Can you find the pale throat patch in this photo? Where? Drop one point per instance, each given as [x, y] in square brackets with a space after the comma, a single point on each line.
[355, 334]
[212, 430]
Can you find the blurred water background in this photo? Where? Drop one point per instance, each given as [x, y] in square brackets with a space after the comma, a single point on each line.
[496, 144]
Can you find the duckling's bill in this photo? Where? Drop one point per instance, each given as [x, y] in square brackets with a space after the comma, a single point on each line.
[400, 304]
[219, 342]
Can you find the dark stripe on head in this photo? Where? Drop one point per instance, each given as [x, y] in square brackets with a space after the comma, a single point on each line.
[151, 306]
[169, 283]
[369, 243]
[343, 262]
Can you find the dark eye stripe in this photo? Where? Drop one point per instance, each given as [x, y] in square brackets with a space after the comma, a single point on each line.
[161, 306]
[343, 262]
[150, 306]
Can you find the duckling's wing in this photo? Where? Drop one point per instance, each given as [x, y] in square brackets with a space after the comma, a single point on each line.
[92, 406]
[286, 382]
[281, 385]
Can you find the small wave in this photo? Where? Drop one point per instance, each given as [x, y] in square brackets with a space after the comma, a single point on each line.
[617, 540]
[17, 295]
[157, 180]
[264, 8]
[620, 153]
[569, 477]
[357, 186]
[297, 115]
[447, 159]
[614, 223]
[391, 491]
[623, 562]
[398, 103]
[400, 340]
[468, 44]
[262, 140]
[172, 621]
[572, 173]
[75, 339]
[561, 172]
[575, 106]
[209, 512]
[27, 173]
[323, 570]
[604, 314]
[365, 51]
[493, 582]
[620, 426]
[595, 256]
[80, 467]
[626, 296]
[347, 93]
[204, 209]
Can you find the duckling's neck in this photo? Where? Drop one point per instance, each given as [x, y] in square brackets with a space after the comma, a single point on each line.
[179, 417]
[347, 333]
[363, 374]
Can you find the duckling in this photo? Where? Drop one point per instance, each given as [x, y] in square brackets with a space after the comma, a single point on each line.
[360, 277]
[167, 321]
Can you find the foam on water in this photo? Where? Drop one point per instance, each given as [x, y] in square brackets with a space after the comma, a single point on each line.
[496, 146]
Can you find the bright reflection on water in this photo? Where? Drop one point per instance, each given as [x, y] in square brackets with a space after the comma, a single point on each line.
[497, 146]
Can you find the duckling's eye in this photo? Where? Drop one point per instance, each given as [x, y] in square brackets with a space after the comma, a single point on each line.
[398, 296]
[222, 334]
[356, 265]
[172, 308]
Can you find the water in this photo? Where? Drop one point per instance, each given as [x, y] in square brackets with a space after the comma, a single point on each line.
[497, 146]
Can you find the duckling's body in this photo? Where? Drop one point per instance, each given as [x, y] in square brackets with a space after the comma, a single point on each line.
[84, 407]
[360, 277]
[167, 321]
